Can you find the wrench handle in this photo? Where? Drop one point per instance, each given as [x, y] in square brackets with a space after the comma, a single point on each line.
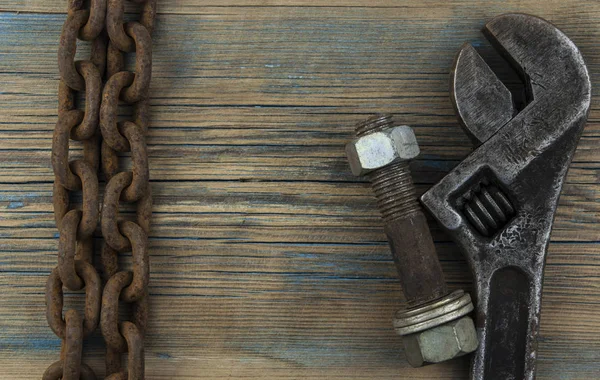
[510, 313]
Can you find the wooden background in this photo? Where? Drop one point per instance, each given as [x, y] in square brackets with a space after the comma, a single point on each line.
[268, 257]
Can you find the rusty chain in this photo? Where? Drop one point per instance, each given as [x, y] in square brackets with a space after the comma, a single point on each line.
[103, 138]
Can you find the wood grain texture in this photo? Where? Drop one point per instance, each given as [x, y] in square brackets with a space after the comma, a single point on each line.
[268, 257]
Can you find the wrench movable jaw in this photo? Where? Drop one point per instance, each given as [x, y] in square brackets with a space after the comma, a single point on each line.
[499, 203]
[473, 83]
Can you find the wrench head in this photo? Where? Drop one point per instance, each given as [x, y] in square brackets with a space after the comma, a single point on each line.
[546, 59]
[499, 203]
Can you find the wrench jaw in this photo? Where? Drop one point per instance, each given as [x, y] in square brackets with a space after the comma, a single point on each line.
[548, 61]
[522, 162]
[473, 84]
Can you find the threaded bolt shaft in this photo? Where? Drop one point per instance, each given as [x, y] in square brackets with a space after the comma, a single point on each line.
[374, 124]
[393, 184]
[405, 224]
[395, 191]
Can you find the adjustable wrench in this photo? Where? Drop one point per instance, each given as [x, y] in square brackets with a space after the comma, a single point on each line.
[499, 203]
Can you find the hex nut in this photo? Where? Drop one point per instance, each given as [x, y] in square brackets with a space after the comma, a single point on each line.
[381, 148]
[444, 342]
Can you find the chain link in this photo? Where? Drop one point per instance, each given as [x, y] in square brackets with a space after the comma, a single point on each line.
[103, 137]
[54, 299]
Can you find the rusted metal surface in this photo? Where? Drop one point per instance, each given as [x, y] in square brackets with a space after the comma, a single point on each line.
[60, 149]
[100, 134]
[66, 250]
[135, 349]
[110, 211]
[93, 91]
[116, 28]
[108, 110]
[381, 151]
[55, 372]
[139, 243]
[110, 310]
[72, 346]
[93, 295]
[499, 203]
[138, 90]
[68, 47]
[419, 270]
[94, 25]
[140, 174]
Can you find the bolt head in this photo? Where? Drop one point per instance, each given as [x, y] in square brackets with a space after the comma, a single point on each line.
[378, 149]
[444, 342]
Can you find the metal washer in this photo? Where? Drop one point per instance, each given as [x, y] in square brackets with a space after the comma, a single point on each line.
[446, 309]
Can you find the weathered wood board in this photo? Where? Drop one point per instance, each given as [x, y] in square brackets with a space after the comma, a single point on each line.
[268, 257]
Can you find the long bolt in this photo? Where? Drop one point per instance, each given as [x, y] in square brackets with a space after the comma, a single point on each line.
[406, 226]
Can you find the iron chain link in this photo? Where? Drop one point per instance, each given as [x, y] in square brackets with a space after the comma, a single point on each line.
[103, 82]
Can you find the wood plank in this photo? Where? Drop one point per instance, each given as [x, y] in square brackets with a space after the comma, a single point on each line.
[268, 258]
[420, 10]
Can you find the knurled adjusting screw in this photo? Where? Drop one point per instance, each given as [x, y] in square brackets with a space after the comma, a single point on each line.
[436, 326]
